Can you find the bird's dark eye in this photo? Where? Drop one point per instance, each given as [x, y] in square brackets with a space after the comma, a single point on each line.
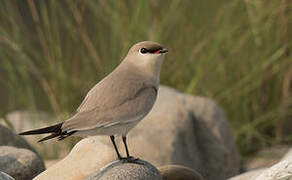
[143, 50]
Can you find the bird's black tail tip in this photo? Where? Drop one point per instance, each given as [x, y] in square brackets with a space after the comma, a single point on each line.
[50, 129]
[55, 131]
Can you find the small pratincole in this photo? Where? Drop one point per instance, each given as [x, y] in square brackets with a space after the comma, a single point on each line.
[118, 102]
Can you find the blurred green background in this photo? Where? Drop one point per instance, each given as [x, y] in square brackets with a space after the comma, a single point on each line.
[236, 52]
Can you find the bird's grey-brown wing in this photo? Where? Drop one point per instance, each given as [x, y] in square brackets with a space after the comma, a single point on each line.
[123, 82]
[130, 109]
[121, 96]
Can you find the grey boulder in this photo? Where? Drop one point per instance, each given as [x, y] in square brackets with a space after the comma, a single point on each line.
[4, 176]
[140, 170]
[27, 120]
[21, 164]
[9, 138]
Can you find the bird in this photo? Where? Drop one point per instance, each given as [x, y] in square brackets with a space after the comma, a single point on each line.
[118, 102]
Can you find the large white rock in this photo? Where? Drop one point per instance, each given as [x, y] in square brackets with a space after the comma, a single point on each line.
[181, 129]
[288, 155]
[280, 171]
[250, 175]
[186, 130]
[88, 156]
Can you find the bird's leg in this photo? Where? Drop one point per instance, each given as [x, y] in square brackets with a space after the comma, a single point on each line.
[117, 151]
[129, 159]
[126, 147]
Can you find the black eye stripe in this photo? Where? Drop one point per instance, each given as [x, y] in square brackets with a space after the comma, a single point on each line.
[152, 50]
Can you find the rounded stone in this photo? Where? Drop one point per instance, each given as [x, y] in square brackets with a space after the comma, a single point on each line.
[9, 138]
[119, 170]
[188, 130]
[178, 172]
[4, 176]
[21, 164]
[88, 156]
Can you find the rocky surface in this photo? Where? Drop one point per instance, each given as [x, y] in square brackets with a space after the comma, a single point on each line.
[288, 155]
[177, 172]
[181, 129]
[140, 170]
[27, 120]
[250, 175]
[88, 156]
[266, 157]
[186, 130]
[4, 176]
[280, 171]
[21, 164]
[9, 138]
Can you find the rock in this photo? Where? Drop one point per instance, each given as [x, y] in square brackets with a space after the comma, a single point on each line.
[177, 172]
[280, 171]
[87, 156]
[27, 120]
[266, 157]
[127, 171]
[9, 138]
[186, 130]
[250, 175]
[181, 129]
[4, 176]
[21, 164]
[288, 155]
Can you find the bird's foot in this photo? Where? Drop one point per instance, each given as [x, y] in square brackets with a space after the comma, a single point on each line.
[131, 159]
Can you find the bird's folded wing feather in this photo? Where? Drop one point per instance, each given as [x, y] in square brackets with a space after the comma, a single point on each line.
[131, 109]
[122, 83]
[119, 97]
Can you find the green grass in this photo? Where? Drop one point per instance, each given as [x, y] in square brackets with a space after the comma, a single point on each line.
[236, 52]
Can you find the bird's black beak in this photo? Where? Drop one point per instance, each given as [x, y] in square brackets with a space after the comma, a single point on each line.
[163, 50]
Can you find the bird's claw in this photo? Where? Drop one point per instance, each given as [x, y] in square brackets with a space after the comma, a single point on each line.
[131, 159]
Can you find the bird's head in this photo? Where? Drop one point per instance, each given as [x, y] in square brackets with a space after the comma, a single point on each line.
[147, 55]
